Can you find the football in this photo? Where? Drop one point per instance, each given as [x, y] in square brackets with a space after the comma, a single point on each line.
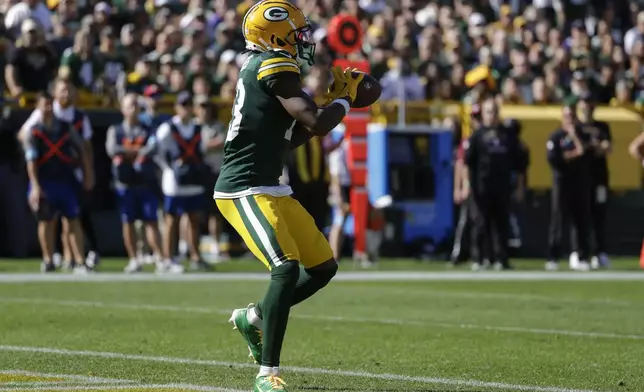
[369, 92]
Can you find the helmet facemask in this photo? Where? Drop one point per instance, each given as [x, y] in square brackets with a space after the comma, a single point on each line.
[302, 40]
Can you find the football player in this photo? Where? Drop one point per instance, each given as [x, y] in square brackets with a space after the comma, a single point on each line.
[272, 115]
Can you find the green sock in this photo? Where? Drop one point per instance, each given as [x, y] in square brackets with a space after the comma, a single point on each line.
[275, 308]
[309, 283]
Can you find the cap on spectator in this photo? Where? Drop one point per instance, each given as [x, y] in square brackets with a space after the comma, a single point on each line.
[476, 19]
[241, 58]
[587, 96]
[28, 26]
[152, 91]
[228, 56]
[103, 7]
[166, 59]
[426, 16]
[184, 98]
[128, 28]
[578, 75]
[578, 25]
[108, 32]
[505, 10]
[202, 100]
[319, 35]
[519, 22]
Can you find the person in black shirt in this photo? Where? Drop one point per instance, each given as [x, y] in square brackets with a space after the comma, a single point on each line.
[492, 157]
[570, 158]
[519, 184]
[32, 65]
[600, 146]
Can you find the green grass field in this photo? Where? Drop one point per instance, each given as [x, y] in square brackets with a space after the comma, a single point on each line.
[511, 331]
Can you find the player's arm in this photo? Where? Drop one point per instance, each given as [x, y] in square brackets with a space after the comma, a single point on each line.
[163, 144]
[31, 157]
[288, 89]
[88, 132]
[34, 118]
[555, 154]
[635, 147]
[300, 136]
[80, 145]
[605, 144]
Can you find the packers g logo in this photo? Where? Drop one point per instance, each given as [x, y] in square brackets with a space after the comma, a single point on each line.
[276, 14]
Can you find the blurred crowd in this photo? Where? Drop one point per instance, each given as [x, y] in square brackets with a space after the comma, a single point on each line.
[538, 52]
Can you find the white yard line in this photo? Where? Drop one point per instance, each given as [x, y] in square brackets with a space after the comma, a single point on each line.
[66, 377]
[307, 370]
[187, 387]
[295, 315]
[342, 276]
[79, 382]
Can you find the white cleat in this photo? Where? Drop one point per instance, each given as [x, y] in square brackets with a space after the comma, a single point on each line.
[552, 265]
[573, 261]
[169, 267]
[132, 267]
[57, 259]
[583, 266]
[175, 268]
[594, 263]
[80, 270]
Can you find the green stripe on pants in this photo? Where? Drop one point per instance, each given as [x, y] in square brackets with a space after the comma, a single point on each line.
[251, 230]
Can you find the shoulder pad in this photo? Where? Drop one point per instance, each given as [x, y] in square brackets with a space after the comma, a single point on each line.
[273, 62]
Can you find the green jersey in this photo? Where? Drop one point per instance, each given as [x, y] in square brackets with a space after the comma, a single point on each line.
[259, 134]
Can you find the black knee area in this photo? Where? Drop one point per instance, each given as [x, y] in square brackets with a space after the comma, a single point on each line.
[288, 273]
[323, 275]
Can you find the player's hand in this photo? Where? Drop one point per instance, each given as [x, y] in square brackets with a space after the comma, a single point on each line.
[345, 84]
[458, 196]
[34, 198]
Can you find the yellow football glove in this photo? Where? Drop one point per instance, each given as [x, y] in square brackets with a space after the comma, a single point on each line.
[345, 85]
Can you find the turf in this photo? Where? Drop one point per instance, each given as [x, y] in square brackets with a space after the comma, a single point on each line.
[245, 265]
[469, 335]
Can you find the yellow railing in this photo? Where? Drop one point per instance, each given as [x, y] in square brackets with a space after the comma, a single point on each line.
[538, 123]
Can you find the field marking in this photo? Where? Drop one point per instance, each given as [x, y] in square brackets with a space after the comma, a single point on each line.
[66, 377]
[295, 315]
[507, 296]
[332, 372]
[373, 276]
[79, 382]
[107, 388]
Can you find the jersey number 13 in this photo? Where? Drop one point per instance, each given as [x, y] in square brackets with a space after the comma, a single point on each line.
[233, 129]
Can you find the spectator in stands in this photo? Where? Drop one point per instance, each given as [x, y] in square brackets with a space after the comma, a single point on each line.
[32, 64]
[27, 10]
[131, 146]
[401, 82]
[78, 63]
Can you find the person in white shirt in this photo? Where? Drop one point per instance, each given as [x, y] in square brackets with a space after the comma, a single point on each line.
[27, 9]
[64, 110]
[215, 133]
[341, 191]
[181, 151]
